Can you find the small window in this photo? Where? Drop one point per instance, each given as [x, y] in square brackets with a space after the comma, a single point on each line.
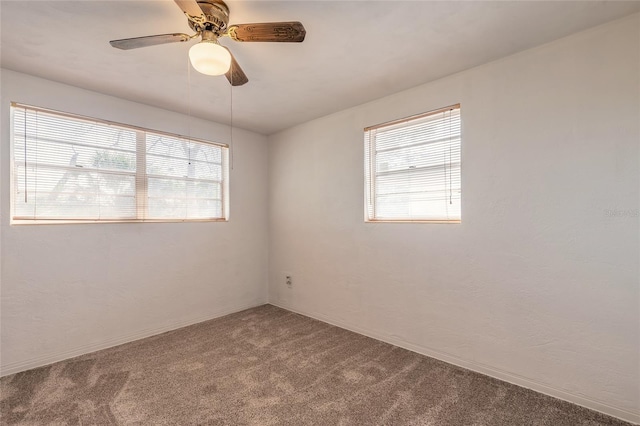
[412, 168]
[68, 168]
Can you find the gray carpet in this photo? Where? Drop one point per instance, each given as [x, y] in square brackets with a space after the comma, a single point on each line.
[268, 366]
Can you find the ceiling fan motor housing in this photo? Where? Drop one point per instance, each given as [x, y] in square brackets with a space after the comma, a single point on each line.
[216, 13]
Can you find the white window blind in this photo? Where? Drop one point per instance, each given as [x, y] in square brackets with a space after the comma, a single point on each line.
[412, 168]
[184, 178]
[70, 168]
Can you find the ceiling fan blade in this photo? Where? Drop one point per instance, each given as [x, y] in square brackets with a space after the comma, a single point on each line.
[235, 75]
[292, 32]
[136, 42]
[192, 9]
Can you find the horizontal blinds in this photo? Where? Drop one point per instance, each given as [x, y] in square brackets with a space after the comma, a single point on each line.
[413, 168]
[68, 168]
[73, 168]
[185, 178]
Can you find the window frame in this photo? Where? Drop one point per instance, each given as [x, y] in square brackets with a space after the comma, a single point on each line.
[140, 174]
[370, 172]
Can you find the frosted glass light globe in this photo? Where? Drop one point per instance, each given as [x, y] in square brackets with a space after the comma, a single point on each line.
[208, 57]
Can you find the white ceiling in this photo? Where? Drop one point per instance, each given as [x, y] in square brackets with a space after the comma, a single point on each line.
[354, 52]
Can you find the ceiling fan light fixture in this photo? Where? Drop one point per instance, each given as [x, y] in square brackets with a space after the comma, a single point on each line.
[209, 58]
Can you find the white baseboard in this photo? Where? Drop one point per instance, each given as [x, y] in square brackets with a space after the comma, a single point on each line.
[50, 358]
[478, 367]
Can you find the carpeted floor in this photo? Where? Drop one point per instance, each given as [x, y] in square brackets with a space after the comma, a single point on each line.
[268, 366]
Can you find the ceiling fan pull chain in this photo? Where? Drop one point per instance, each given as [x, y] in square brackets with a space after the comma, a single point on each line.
[189, 100]
[231, 121]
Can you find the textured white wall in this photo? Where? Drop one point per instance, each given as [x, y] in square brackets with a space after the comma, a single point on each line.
[70, 289]
[538, 285]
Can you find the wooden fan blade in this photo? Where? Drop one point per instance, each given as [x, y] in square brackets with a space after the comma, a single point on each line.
[292, 32]
[191, 9]
[235, 75]
[136, 42]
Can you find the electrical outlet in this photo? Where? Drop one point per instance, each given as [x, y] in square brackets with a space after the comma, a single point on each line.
[288, 280]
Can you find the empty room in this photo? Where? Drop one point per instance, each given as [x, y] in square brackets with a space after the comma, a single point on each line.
[320, 212]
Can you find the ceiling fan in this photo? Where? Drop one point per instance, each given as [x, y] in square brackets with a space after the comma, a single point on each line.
[210, 19]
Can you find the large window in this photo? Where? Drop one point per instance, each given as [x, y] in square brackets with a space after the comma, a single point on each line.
[412, 168]
[70, 168]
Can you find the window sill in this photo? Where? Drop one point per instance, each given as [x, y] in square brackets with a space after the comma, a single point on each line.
[20, 222]
[411, 221]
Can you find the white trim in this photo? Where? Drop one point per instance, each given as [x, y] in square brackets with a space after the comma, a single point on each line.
[50, 358]
[496, 373]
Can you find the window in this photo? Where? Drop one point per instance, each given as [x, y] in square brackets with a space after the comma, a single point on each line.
[412, 168]
[76, 169]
